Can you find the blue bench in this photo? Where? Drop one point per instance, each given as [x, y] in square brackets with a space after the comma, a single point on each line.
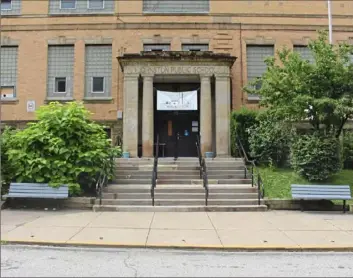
[37, 190]
[321, 192]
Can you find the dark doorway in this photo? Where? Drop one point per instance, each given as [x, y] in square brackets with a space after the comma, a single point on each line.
[177, 131]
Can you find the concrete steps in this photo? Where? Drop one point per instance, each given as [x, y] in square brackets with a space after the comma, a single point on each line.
[99, 208]
[179, 187]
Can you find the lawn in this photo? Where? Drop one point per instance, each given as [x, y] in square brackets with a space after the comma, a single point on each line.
[277, 181]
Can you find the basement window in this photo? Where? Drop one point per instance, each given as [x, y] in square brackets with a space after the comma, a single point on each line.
[60, 85]
[6, 5]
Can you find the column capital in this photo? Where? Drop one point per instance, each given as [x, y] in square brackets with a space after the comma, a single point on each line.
[147, 75]
[222, 76]
[206, 75]
[131, 76]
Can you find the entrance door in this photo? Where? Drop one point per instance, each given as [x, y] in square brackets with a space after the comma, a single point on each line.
[177, 132]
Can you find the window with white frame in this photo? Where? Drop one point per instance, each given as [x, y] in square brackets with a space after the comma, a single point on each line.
[81, 6]
[256, 66]
[67, 4]
[194, 47]
[96, 4]
[8, 71]
[98, 71]
[156, 47]
[6, 5]
[60, 85]
[10, 7]
[60, 71]
[97, 84]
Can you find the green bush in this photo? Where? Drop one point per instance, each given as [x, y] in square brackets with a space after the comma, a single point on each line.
[316, 157]
[6, 169]
[270, 140]
[348, 149]
[241, 121]
[62, 147]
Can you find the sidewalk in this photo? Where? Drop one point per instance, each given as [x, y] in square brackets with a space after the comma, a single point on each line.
[273, 230]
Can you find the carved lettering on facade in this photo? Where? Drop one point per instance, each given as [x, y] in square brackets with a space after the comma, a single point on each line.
[183, 69]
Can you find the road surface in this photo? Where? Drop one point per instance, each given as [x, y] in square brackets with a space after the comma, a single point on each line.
[31, 261]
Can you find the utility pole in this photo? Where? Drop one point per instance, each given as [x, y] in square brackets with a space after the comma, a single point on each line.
[329, 20]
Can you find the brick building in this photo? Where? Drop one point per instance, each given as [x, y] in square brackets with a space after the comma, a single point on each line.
[123, 58]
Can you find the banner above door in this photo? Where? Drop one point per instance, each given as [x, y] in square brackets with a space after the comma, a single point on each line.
[168, 101]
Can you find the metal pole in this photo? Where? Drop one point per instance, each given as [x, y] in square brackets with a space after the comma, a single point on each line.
[329, 20]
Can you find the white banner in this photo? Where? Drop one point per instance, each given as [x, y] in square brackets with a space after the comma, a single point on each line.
[176, 100]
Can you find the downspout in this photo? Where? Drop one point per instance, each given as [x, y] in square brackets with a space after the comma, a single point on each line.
[241, 65]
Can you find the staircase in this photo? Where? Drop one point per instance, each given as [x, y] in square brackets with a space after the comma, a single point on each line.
[179, 187]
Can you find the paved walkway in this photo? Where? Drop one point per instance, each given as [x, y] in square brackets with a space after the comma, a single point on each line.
[237, 230]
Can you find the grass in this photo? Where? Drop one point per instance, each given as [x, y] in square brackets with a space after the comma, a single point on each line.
[277, 181]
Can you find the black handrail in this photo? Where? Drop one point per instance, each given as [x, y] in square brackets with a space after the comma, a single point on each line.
[203, 169]
[255, 173]
[101, 182]
[155, 170]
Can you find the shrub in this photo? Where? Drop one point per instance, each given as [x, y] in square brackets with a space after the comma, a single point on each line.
[270, 140]
[241, 121]
[348, 149]
[6, 169]
[316, 157]
[62, 147]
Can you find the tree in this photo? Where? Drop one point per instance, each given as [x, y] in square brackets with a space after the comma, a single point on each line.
[63, 147]
[320, 92]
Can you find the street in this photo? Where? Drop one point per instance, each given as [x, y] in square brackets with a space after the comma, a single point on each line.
[31, 261]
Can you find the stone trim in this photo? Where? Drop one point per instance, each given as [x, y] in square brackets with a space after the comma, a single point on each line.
[7, 41]
[156, 39]
[173, 26]
[260, 40]
[301, 42]
[195, 39]
[98, 40]
[61, 40]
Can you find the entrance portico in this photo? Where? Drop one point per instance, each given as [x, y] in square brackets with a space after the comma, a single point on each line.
[212, 72]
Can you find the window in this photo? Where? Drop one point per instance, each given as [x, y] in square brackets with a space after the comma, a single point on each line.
[98, 71]
[156, 47]
[97, 84]
[194, 47]
[96, 4]
[176, 6]
[68, 4]
[8, 71]
[305, 52]
[60, 71]
[6, 5]
[256, 67]
[60, 85]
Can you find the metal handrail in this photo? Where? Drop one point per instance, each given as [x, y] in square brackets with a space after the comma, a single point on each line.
[255, 173]
[203, 169]
[155, 171]
[101, 182]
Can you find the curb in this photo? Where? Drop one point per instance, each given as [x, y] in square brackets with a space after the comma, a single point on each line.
[239, 248]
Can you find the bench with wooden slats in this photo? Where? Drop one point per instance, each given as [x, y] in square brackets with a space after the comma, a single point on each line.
[322, 192]
[37, 190]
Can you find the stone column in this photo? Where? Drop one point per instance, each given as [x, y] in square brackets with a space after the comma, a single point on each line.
[130, 124]
[205, 114]
[222, 115]
[147, 116]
